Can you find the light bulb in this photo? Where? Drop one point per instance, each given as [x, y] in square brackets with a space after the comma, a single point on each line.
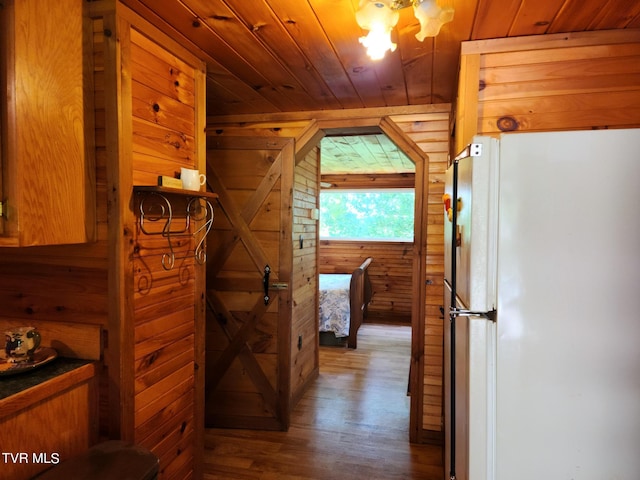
[379, 19]
[377, 42]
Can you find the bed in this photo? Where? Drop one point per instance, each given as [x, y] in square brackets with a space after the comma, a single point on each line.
[344, 298]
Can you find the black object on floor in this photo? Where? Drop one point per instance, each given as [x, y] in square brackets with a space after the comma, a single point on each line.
[111, 460]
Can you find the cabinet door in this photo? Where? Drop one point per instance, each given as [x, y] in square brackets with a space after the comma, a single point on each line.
[47, 192]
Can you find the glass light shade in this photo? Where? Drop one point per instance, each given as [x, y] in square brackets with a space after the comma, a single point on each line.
[431, 17]
[379, 19]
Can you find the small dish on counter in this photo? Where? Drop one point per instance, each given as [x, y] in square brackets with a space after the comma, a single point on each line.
[41, 356]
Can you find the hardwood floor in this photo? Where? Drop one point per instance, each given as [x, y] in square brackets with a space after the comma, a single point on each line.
[352, 423]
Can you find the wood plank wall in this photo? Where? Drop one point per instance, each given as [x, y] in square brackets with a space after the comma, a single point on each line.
[433, 135]
[390, 274]
[565, 82]
[164, 92]
[304, 336]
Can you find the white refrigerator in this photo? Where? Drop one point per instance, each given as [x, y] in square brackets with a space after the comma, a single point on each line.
[542, 347]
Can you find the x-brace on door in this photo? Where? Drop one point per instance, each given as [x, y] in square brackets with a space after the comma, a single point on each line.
[248, 296]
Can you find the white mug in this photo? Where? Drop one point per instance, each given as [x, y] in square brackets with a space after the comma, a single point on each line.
[192, 179]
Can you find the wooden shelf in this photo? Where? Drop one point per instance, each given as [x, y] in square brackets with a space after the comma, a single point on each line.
[174, 191]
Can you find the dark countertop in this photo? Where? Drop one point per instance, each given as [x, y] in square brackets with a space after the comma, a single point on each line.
[16, 383]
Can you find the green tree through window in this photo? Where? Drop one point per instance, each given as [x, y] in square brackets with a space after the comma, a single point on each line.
[367, 215]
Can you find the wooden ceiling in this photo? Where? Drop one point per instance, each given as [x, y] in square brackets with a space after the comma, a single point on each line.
[362, 154]
[267, 56]
[270, 56]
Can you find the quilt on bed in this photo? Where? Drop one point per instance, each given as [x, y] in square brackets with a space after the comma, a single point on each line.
[334, 304]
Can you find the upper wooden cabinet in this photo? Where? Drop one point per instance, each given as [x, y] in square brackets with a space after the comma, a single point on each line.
[48, 178]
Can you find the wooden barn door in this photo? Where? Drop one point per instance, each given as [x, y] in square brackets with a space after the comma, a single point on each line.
[248, 296]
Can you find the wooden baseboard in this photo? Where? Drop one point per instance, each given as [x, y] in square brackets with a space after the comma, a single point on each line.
[430, 437]
[295, 398]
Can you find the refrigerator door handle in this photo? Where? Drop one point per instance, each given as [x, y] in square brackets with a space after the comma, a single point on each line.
[461, 312]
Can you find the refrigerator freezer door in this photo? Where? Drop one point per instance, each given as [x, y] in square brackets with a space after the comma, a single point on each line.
[568, 359]
[477, 227]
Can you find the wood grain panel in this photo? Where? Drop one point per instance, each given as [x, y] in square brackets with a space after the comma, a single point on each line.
[154, 107]
[363, 154]
[36, 291]
[272, 56]
[304, 330]
[176, 416]
[160, 333]
[432, 134]
[535, 18]
[494, 19]
[568, 20]
[166, 88]
[338, 24]
[248, 339]
[47, 158]
[230, 24]
[585, 81]
[370, 181]
[312, 39]
[216, 41]
[155, 141]
[154, 66]
[69, 420]
[162, 393]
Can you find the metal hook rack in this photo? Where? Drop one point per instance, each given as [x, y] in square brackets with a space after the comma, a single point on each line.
[156, 208]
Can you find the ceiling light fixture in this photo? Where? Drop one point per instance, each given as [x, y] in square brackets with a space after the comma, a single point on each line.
[380, 16]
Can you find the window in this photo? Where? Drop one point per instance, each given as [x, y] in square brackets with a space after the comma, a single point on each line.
[382, 215]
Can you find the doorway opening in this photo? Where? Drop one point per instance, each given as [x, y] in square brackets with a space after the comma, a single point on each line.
[367, 210]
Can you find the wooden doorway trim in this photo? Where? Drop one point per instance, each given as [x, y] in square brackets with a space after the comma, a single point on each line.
[310, 138]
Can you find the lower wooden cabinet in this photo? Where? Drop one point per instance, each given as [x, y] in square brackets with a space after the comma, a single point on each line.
[48, 423]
